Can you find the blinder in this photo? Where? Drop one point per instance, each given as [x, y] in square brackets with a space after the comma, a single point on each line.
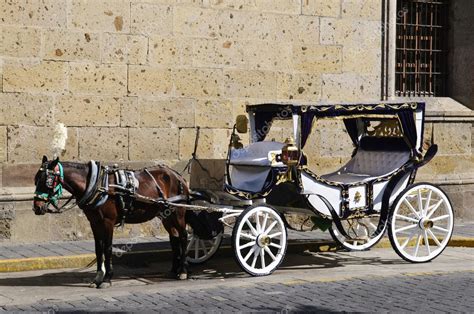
[53, 183]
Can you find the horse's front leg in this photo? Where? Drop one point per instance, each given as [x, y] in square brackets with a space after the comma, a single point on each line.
[108, 240]
[97, 230]
[179, 251]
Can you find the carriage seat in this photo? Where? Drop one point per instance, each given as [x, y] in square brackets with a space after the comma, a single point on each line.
[256, 154]
[375, 157]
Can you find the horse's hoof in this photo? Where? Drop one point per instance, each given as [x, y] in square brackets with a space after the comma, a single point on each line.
[183, 276]
[104, 285]
[93, 285]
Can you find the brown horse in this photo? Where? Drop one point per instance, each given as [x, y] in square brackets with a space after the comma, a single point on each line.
[156, 183]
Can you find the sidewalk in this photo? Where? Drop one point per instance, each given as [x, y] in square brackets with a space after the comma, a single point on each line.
[66, 254]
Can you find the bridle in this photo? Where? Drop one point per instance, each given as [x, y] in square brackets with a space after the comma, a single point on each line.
[54, 184]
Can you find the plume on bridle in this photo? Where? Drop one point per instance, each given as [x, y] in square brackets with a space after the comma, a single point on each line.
[59, 139]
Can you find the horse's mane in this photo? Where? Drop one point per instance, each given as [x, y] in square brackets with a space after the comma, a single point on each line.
[76, 165]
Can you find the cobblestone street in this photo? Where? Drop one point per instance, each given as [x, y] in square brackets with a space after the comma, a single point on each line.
[371, 281]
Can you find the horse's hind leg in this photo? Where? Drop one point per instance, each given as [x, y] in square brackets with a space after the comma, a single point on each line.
[183, 239]
[178, 241]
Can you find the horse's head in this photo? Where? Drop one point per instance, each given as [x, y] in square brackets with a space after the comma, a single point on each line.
[48, 181]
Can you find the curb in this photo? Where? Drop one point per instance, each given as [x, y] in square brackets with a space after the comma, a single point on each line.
[140, 258]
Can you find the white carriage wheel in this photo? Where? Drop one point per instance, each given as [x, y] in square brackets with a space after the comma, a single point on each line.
[422, 223]
[360, 229]
[199, 250]
[259, 240]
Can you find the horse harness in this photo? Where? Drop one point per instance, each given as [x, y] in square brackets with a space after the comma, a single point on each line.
[124, 189]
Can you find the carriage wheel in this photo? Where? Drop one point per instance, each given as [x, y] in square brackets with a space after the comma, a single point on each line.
[422, 223]
[259, 240]
[360, 230]
[200, 250]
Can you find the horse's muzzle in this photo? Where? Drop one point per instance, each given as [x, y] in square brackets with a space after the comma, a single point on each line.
[40, 209]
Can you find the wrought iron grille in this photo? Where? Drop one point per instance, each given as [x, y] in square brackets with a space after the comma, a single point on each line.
[421, 48]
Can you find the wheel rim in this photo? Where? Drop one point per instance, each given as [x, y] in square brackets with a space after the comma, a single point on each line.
[199, 250]
[360, 230]
[261, 240]
[422, 223]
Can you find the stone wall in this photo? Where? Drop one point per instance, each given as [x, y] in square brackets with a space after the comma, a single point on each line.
[461, 48]
[131, 79]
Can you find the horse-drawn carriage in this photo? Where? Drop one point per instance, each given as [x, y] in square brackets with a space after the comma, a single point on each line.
[266, 180]
[372, 192]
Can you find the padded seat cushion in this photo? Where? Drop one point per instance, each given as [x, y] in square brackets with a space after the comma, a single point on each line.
[373, 161]
[256, 154]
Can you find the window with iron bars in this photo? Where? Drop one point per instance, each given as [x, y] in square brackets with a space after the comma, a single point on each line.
[421, 48]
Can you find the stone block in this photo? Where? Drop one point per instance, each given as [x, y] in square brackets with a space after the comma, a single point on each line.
[130, 49]
[213, 143]
[170, 51]
[298, 86]
[30, 143]
[233, 4]
[108, 144]
[214, 114]
[41, 77]
[321, 7]
[295, 29]
[361, 60]
[367, 9]
[448, 167]
[220, 52]
[349, 87]
[148, 18]
[20, 42]
[334, 140]
[75, 110]
[60, 44]
[106, 16]
[26, 222]
[146, 80]
[279, 6]
[197, 22]
[3, 143]
[154, 143]
[317, 59]
[198, 82]
[47, 13]
[243, 25]
[351, 32]
[171, 113]
[453, 138]
[264, 55]
[105, 79]
[249, 84]
[26, 109]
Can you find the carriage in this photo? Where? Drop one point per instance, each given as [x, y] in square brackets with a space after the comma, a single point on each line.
[372, 193]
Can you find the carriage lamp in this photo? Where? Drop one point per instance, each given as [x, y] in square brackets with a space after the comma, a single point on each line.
[290, 153]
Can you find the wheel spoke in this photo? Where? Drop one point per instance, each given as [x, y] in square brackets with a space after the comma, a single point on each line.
[255, 256]
[405, 228]
[270, 253]
[411, 207]
[264, 223]
[270, 227]
[428, 200]
[427, 244]
[406, 218]
[257, 223]
[203, 245]
[373, 226]
[246, 245]
[420, 203]
[196, 249]
[255, 233]
[412, 234]
[434, 209]
[275, 245]
[262, 258]
[440, 229]
[435, 239]
[276, 234]
[190, 244]
[248, 236]
[417, 247]
[252, 250]
[440, 217]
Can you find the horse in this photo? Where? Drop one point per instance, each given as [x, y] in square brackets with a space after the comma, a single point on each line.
[156, 184]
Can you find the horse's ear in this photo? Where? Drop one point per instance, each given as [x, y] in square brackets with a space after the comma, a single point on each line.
[54, 163]
[45, 159]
